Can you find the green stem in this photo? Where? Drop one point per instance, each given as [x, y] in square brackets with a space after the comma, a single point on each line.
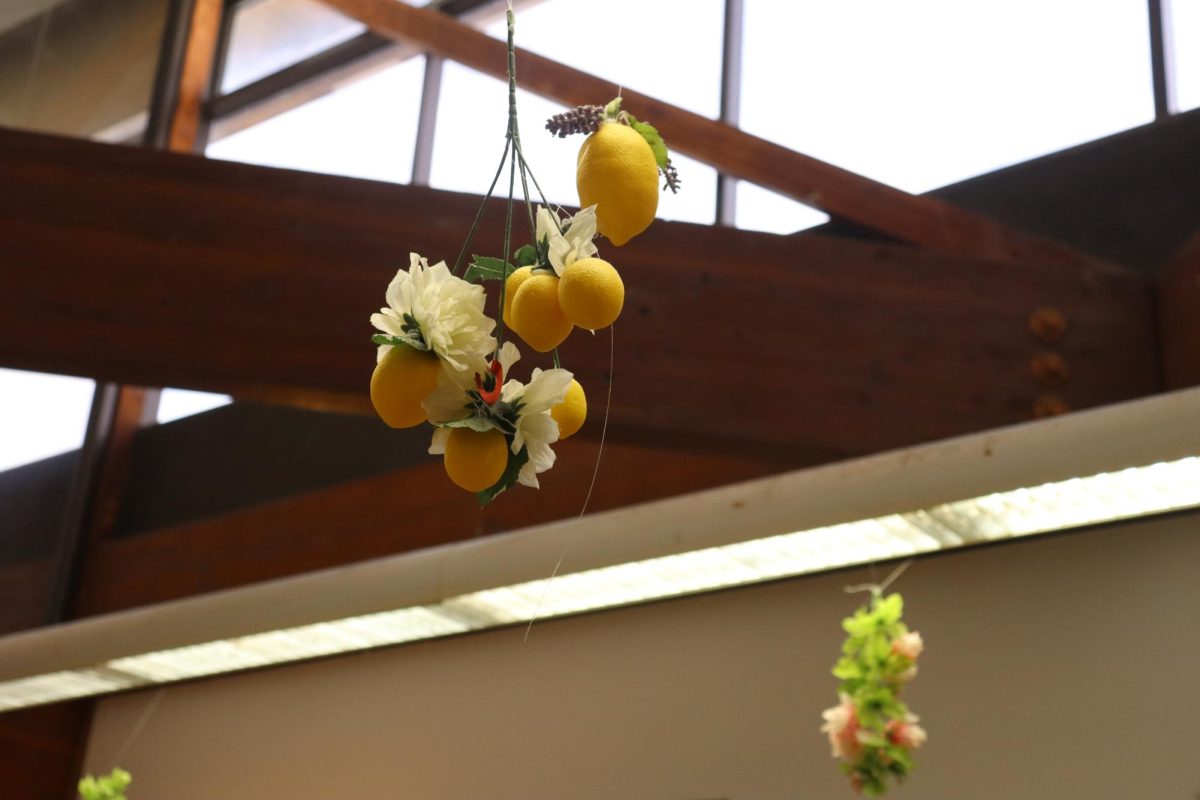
[479, 213]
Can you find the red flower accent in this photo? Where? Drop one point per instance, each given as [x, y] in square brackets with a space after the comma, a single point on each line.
[490, 396]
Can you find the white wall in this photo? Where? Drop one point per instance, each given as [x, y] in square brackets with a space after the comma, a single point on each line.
[1055, 668]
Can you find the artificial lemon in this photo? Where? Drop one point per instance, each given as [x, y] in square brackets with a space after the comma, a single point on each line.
[514, 281]
[475, 460]
[536, 315]
[617, 173]
[571, 412]
[591, 293]
[400, 382]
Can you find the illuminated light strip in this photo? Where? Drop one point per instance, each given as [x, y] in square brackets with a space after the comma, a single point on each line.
[1077, 502]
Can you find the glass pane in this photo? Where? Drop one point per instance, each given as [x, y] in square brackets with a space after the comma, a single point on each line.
[365, 130]
[924, 93]
[469, 141]
[176, 404]
[79, 68]
[1184, 19]
[649, 47]
[760, 209]
[272, 34]
[41, 415]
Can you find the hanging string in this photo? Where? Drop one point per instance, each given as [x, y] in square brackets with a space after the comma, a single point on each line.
[878, 589]
[612, 337]
[138, 726]
[35, 64]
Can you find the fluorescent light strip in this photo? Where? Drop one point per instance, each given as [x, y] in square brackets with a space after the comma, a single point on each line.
[1105, 497]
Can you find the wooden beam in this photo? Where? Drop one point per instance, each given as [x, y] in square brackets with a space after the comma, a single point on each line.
[160, 269]
[196, 74]
[403, 510]
[42, 750]
[1179, 317]
[920, 220]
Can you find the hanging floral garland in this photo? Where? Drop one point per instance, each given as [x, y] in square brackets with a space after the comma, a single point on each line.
[871, 730]
[441, 359]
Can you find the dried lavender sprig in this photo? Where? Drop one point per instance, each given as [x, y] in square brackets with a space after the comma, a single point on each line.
[671, 176]
[580, 119]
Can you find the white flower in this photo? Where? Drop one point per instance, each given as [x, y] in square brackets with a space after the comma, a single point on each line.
[573, 242]
[908, 645]
[536, 429]
[448, 316]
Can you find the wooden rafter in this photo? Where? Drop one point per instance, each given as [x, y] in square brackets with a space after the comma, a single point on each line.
[920, 220]
[160, 269]
[1179, 317]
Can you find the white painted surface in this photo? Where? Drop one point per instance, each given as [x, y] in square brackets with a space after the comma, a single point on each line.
[1058, 667]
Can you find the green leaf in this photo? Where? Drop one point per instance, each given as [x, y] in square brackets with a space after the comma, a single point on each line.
[394, 341]
[475, 423]
[507, 480]
[486, 268]
[653, 138]
[110, 787]
[613, 108]
[526, 256]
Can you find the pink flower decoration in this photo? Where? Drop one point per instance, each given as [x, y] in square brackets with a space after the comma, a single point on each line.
[907, 734]
[841, 723]
[908, 645]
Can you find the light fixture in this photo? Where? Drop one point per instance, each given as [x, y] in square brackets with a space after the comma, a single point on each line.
[1115, 463]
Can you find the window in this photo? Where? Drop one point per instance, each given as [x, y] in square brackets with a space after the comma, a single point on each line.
[366, 129]
[41, 415]
[928, 92]
[1183, 17]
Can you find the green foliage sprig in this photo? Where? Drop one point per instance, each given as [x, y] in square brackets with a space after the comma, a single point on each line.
[107, 787]
[872, 732]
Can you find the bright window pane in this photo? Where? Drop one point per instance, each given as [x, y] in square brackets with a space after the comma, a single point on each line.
[41, 415]
[760, 209]
[1184, 18]
[269, 35]
[923, 93]
[176, 404]
[365, 130]
[469, 141]
[661, 49]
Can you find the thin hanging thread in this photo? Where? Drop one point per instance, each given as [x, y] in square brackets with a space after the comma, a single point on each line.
[139, 726]
[880, 588]
[39, 47]
[612, 338]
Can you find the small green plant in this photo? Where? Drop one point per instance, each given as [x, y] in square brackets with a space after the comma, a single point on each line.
[108, 787]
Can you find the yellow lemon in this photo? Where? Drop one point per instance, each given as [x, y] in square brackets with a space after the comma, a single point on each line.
[591, 293]
[617, 173]
[475, 460]
[515, 279]
[571, 412]
[536, 314]
[400, 382]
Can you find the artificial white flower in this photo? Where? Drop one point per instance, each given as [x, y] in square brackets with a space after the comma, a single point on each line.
[448, 313]
[536, 429]
[572, 242]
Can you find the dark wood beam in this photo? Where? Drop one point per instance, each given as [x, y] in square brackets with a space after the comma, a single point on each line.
[43, 749]
[379, 516]
[920, 220]
[160, 269]
[1179, 317]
